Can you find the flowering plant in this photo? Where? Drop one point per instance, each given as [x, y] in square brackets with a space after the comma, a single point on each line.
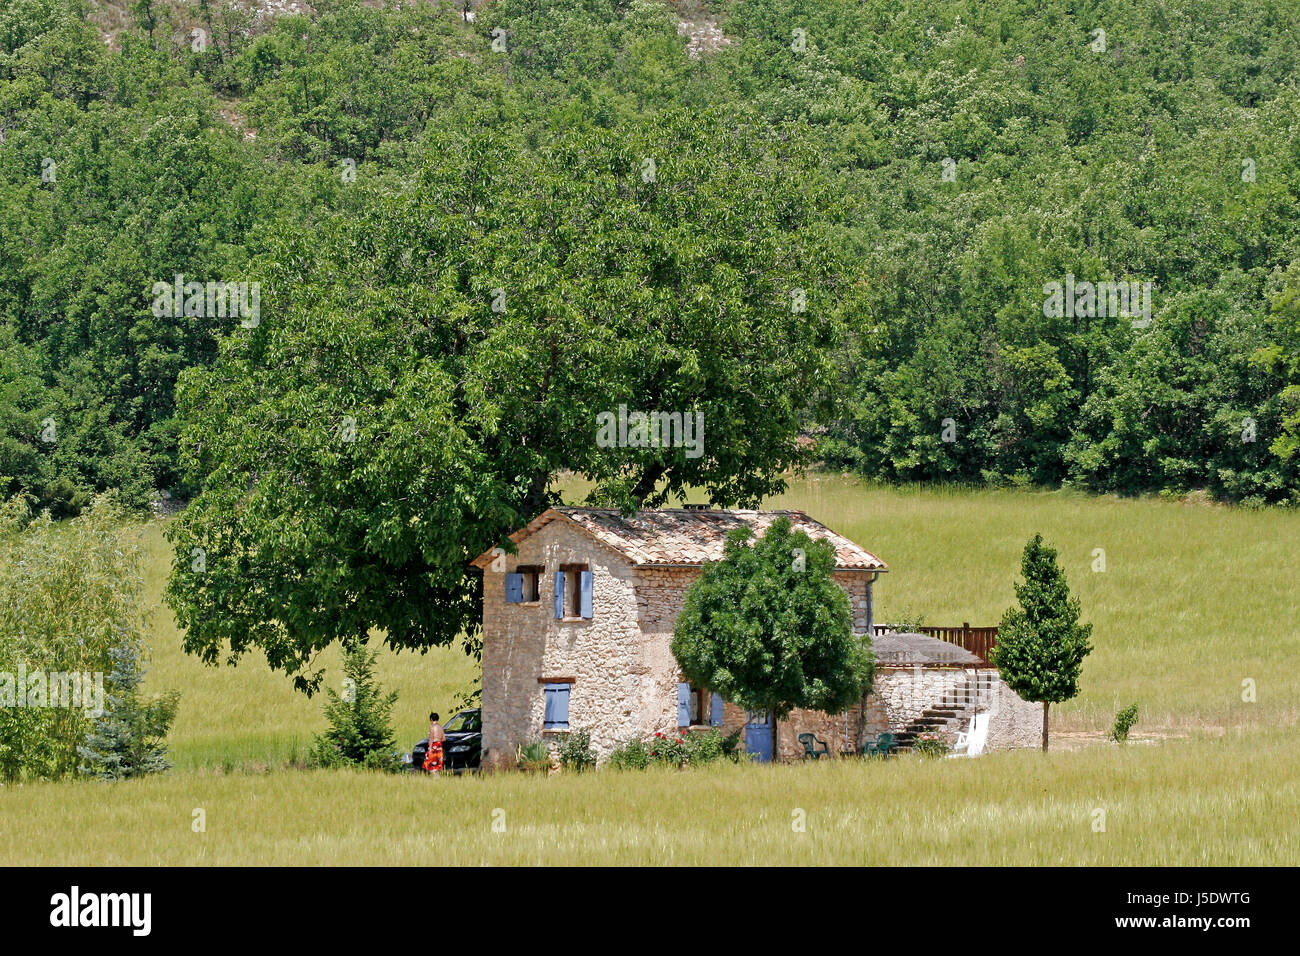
[931, 743]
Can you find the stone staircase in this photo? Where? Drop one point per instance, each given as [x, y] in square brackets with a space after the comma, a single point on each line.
[952, 712]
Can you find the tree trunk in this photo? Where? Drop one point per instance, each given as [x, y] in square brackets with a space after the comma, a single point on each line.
[1045, 706]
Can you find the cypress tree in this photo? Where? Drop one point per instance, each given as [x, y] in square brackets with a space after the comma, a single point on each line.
[1041, 644]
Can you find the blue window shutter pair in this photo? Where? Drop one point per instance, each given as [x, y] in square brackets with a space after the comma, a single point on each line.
[683, 705]
[514, 588]
[715, 710]
[584, 594]
[557, 707]
[585, 588]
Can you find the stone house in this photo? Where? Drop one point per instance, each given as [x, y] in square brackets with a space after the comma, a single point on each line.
[577, 627]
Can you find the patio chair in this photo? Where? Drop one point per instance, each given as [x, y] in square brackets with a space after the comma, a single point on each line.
[970, 743]
[810, 748]
[880, 747]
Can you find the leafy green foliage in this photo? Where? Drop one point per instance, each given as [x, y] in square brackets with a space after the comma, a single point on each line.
[768, 628]
[1125, 720]
[399, 423]
[69, 594]
[533, 756]
[676, 750]
[931, 743]
[575, 751]
[1041, 644]
[384, 172]
[128, 739]
[631, 755]
[359, 732]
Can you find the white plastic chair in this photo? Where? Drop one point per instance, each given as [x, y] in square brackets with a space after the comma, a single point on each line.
[963, 739]
[970, 743]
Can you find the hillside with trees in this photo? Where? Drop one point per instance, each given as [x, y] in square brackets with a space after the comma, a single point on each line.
[840, 223]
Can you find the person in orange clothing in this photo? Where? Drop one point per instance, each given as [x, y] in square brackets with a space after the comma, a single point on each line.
[433, 756]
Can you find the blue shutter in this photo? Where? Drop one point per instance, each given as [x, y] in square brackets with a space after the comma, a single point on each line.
[715, 710]
[683, 705]
[514, 588]
[584, 593]
[557, 707]
[559, 595]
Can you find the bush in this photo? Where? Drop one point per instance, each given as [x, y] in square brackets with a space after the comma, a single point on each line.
[931, 743]
[667, 749]
[359, 733]
[71, 593]
[127, 739]
[1124, 722]
[712, 746]
[576, 753]
[676, 750]
[633, 755]
[533, 756]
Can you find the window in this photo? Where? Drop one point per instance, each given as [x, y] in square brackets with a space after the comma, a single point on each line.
[696, 707]
[466, 722]
[556, 715]
[523, 585]
[532, 576]
[574, 585]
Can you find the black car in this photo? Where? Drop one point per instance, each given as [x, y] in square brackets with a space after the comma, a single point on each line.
[463, 747]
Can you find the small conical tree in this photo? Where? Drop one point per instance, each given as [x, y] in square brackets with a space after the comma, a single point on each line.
[127, 739]
[1041, 644]
[359, 730]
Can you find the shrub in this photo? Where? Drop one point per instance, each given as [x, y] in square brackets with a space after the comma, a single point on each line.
[931, 743]
[70, 594]
[576, 753]
[711, 746]
[359, 733]
[633, 755]
[127, 739]
[1124, 722]
[533, 756]
[676, 749]
[764, 654]
[668, 749]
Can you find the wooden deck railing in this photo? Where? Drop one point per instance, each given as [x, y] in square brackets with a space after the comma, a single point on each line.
[980, 641]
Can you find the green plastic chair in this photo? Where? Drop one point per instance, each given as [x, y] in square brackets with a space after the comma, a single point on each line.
[810, 751]
[880, 747]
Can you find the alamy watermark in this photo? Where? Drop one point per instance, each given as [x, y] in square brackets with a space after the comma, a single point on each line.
[651, 430]
[40, 688]
[239, 300]
[1097, 300]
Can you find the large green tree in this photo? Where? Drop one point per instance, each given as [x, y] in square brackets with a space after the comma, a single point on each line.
[429, 361]
[768, 628]
[1041, 644]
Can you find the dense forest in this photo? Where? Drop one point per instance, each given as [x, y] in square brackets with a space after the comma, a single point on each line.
[836, 220]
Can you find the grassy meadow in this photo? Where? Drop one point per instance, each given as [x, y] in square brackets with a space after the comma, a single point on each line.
[1194, 600]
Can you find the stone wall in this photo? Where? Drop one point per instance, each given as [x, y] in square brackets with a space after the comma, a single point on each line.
[524, 645]
[906, 692]
[1014, 722]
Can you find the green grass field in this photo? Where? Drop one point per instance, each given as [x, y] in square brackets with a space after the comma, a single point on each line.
[1194, 600]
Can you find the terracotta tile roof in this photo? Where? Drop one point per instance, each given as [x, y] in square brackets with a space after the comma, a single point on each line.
[686, 537]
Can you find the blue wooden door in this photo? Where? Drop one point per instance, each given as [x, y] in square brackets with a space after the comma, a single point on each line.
[758, 735]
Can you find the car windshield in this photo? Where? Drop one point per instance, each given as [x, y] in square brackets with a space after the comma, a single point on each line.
[467, 721]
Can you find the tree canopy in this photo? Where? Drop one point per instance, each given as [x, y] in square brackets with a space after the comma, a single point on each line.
[1041, 644]
[768, 628]
[833, 235]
